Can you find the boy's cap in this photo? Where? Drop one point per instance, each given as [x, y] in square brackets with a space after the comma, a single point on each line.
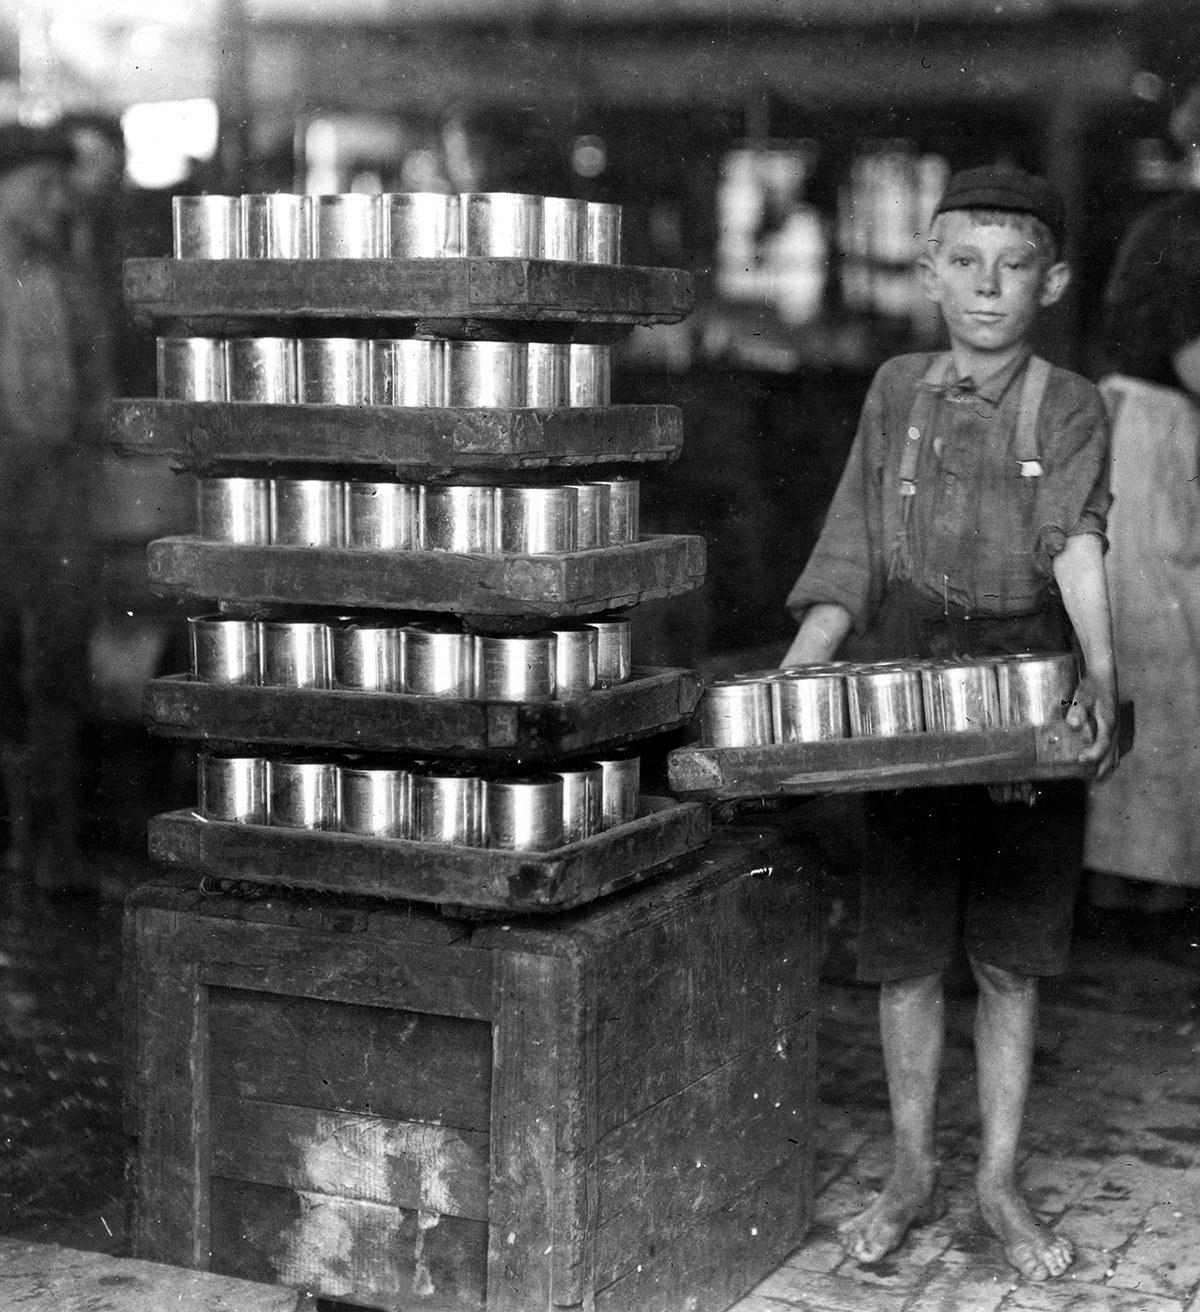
[1004, 187]
[21, 144]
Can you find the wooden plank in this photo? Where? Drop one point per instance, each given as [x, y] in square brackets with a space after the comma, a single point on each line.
[361, 1253]
[404, 1164]
[203, 436]
[525, 1089]
[481, 878]
[374, 1061]
[549, 586]
[653, 701]
[519, 290]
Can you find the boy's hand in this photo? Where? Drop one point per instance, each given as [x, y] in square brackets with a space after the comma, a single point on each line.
[1094, 706]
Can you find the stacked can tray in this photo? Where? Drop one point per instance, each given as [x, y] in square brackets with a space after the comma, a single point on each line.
[406, 624]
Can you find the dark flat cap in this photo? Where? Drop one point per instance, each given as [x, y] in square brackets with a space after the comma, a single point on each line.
[1003, 187]
[21, 144]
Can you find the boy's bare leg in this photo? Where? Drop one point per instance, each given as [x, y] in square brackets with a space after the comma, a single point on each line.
[1005, 1024]
[912, 1025]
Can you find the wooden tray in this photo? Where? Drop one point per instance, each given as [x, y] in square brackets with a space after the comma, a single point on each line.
[550, 586]
[863, 765]
[203, 435]
[478, 878]
[524, 291]
[652, 701]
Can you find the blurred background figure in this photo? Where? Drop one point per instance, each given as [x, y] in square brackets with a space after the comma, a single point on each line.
[53, 385]
[1143, 824]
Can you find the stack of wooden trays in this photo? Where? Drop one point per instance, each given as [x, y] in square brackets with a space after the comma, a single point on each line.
[453, 299]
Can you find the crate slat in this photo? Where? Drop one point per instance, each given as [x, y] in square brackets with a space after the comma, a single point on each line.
[416, 442]
[479, 878]
[652, 701]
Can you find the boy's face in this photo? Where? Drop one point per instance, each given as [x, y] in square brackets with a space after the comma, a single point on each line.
[989, 280]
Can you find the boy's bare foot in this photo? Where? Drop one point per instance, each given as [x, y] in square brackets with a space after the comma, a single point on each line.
[1035, 1252]
[908, 1198]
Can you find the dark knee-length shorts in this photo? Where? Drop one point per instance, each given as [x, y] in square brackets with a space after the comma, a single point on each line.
[945, 866]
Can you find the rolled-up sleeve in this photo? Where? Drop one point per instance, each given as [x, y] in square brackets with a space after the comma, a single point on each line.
[1073, 494]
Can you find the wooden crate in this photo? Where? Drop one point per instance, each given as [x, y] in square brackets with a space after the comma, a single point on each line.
[222, 296]
[611, 1108]
[652, 701]
[420, 442]
[537, 587]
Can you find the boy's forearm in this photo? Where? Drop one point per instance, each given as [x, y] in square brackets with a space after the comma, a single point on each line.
[1079, 573]
[820, 634]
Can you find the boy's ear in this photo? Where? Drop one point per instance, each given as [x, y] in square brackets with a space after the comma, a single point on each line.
[927, 273]
[1057, 278]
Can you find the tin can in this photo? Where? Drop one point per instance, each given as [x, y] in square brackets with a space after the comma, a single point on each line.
[614, 654]
[367, 657]
[537, 520]
[549, 375]
[884, 700]
[346, 227]
[523, 814]
[583, 801]
[515, 668]
[489, 375]
[603, 244]
[808, 707]
[275, 227]
[420, 225]
[502, 223]
[333, 371]
[459, 519]
[590, 375]
[1036, 689]
[437, 662]
[593, 514]
[224, 649]
[408, 371]
[564, 228]
[624, 510]
[262, 370]
[296, 654]
[303, 794]
[447, 808]
[960, 697]
[577, 658]
[621, 782]
[233, 788]
[206, 227]
[192, 369]
[375, 801]
[736, 713]
[383, 516]
[308, 512]
[234, 510]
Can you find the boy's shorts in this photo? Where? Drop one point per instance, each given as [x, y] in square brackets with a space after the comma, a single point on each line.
[949, 865]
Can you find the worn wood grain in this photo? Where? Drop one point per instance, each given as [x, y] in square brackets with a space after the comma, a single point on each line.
[566, 584]
[419, 443]
[407, 1164]
[652, 701]
[482, 878]
[518, 290]
[404, 1066]
[357, 1252]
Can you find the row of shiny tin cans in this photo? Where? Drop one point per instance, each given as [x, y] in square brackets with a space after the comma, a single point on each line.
[423, 803]
[399, 225]
[424, 659]
[406, 371]
[882, 699]
[385, 516]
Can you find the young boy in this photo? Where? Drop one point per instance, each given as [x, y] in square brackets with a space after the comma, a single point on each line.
[970, 521]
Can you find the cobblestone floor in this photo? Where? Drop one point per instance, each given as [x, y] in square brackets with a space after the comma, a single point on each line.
[1113, 1133]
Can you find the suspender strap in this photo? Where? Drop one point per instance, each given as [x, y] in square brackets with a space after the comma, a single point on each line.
[896, 532]
[1033, 389]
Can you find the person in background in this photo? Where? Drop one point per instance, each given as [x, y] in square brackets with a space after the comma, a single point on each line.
[53, 385]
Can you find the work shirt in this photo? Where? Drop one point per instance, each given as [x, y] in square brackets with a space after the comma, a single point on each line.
[982, 533]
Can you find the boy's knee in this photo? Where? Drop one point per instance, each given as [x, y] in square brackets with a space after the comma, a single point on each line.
[915, 987]
[999, 979]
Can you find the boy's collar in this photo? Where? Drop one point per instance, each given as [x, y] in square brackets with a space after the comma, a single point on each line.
[991, 388]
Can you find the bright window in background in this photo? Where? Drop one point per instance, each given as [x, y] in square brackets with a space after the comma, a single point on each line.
[164, 140]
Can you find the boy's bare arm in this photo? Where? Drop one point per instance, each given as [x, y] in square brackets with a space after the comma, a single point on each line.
[1079, 572]
[820, 634]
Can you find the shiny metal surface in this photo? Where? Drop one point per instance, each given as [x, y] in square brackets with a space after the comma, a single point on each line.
[486, 374]
[614, 650]
[234, 510]
[192, 369]
[346, 227]
[621, 786]
[408, 371]
[308, 512]
[383, 516]
[206, 227]
[577, 659]
[437, 662]
[548, 367]
[233, 788]
[375, 801]
[583, 801]
[808, 708]
[736, 714]
[262, 369]
[590, 375]
[224, 650]
[884, 700]
[593, 514]
[515, 668]
[624, 509]
[960, 697]
[564, 228]
[302, 794]
[447, 808]
[333, 371]
[501, 223]
[523, 814]
[420, 225]
[535, 521]
[603, 244]
[459, 519]
[275, 226]
[296, 654]
[1036, 689]
[367, 657]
